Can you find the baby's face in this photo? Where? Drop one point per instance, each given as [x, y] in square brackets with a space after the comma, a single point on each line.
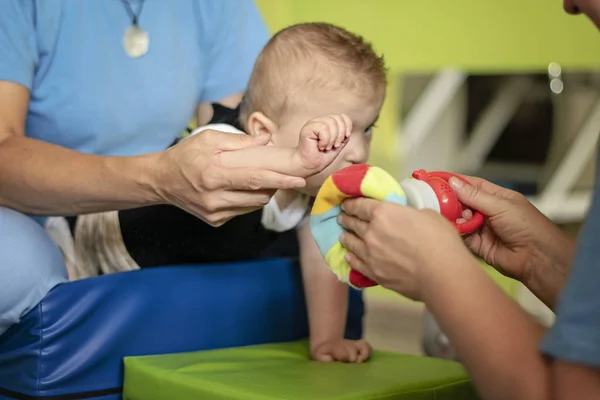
[362, 111]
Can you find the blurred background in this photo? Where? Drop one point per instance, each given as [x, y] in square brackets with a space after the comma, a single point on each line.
[506, 90]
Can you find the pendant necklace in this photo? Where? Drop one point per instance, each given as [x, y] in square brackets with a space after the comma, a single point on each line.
[136, 40]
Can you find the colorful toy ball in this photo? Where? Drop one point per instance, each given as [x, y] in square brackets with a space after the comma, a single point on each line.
[361, 180]
[423, 190]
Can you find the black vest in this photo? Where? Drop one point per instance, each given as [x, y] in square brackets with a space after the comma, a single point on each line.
[166, 235]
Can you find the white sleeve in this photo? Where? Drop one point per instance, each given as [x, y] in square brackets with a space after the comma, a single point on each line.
[283, 220]
[217, 127]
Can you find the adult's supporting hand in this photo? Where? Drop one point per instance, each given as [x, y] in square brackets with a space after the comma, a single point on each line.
[45, 179]
[191, 175]
[398, 247]
[517, 239]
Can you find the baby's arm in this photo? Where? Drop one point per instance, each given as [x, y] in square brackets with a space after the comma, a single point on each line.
[321, 140]
[327, 303]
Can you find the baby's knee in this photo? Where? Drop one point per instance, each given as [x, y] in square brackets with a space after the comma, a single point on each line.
[30, 265]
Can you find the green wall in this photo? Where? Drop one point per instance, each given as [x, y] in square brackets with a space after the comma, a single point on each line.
[480, 34]
[425, 35]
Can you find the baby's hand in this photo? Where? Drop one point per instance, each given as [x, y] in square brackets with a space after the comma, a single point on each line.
[321, 140]
[343, 350]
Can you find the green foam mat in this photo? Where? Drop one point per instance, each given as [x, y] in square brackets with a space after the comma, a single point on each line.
[284, 371]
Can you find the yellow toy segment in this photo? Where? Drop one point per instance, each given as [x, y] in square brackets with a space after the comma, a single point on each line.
[329, 196]
[378, 184]
[337, 263]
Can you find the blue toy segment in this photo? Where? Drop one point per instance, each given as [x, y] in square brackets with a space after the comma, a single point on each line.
[329, 231]
[396, 198]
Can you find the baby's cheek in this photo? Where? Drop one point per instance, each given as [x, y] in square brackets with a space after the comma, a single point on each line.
[314, 183]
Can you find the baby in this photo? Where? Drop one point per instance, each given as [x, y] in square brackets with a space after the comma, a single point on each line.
[317, 90]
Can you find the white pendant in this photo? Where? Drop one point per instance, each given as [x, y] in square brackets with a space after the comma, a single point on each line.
[136, 41]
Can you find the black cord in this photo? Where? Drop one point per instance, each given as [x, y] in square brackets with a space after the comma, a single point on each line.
[134, 17]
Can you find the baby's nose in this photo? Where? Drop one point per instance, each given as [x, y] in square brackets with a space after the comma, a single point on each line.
[357, 155]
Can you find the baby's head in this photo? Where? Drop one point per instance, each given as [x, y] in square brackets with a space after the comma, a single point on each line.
[312, 70]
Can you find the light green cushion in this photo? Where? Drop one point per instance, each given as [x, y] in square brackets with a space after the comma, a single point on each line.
[283, 371]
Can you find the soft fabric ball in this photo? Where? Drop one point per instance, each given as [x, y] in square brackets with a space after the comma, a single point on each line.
[360, 180]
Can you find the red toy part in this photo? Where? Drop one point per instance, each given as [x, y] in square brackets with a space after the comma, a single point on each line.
[450, 207]
[349, 179]
[359, 280]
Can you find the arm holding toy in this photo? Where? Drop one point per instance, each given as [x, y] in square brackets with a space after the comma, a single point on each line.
[321, 140]
[517, 240]
[327, 303]
[481, 321]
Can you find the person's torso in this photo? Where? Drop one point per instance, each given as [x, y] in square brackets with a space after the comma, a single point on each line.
[89, 95]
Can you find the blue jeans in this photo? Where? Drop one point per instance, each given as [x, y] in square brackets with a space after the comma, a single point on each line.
[30, 265]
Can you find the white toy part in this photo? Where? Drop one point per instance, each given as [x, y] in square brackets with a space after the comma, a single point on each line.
[431, 190]
[420, 195]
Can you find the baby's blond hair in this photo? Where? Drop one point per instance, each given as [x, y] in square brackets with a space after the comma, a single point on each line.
[307, 57]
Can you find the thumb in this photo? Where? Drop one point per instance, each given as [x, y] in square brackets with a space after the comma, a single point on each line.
[236, 142]
[475, 198]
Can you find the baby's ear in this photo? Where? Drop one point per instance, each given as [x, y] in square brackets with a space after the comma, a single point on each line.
[259, 123]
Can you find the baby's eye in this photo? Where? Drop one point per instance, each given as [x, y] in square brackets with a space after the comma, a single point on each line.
[369, 130]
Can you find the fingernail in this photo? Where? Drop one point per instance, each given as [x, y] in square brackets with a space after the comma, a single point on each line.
[299, 182]
[261, 137]
[455, 182]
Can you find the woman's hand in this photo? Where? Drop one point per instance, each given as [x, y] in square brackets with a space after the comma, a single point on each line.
[191, 176]
[517, 239]
[397, 246]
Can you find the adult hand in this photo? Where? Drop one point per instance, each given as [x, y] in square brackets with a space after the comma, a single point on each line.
[396, 246]
[191, 176]
[517, 239]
